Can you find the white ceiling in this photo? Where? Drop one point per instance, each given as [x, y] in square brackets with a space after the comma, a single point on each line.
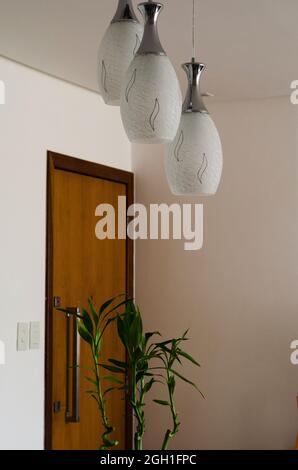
[250, 46]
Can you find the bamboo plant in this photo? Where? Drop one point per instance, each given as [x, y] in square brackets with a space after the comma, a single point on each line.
[171, 354]
[146, 364]
[143, 375]
[91, 328]
[136, 367]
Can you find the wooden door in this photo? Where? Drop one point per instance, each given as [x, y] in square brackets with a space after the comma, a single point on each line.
[81, 266]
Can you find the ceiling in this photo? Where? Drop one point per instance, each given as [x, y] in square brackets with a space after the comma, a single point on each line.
[250, 46]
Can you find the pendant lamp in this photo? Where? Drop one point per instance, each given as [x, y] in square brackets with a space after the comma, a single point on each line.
[118, 47]
[151, 97]
[194, 160]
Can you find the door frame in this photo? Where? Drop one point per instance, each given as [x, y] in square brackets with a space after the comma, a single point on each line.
[56, 161]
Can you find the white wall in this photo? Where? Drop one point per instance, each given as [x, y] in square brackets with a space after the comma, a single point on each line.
[238, 295]
[40, 114]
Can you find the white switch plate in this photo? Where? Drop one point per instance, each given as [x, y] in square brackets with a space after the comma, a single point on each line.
[34, 335]
[2, 353]
[22, 338]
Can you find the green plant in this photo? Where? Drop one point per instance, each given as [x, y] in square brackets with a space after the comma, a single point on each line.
[136, 367]
[143, 375]
[91, 327]
[171, 354]
[146, 364]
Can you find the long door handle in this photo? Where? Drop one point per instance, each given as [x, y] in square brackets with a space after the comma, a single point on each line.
[72, 414]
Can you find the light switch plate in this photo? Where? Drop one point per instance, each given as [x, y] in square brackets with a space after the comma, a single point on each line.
[2, 353]
[22, 338]
[34, 335]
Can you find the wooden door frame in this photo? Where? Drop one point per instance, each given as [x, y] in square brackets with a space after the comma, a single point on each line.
[56, 161]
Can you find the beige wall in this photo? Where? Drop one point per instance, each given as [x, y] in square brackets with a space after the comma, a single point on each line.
[239, 294]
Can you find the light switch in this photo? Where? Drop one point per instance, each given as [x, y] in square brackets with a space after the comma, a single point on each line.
[22, 339]
[34, 335]
[2, 353]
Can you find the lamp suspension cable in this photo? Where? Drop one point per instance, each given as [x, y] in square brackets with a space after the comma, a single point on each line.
[193, 30]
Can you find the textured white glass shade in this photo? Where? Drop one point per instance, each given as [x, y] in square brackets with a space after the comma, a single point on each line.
[118, 47]
[151, 97]
[151, 100]
[194, 160]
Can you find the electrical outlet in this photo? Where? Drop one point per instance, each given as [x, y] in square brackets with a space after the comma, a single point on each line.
[22, 338]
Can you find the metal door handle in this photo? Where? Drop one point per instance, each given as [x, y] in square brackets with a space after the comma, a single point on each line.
[72, 414]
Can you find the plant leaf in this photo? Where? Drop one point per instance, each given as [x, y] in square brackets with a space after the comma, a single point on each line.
[106, 325]
[84, 333]
[124, 302]
[108, 390]
[188, 356]
[135, 332]
[123, 332]
[106, 304]
[184, 338]
[112, 378]
[162, 402]
[120, 364]
[95, 398]
[98, 342]
[149, 385]
[93, 311]
[115, 369]
[87, 321]
[92, 381]
[187, 381]
[170, 341]
[149, 335]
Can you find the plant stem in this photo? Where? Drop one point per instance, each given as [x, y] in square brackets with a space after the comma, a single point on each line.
[141, 409]
[167, 439]
[170, 434]
[137, 444]
[101, 403]
[138, 410]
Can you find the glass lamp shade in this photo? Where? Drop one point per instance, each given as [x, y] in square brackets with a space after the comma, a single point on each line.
[194, 160]
[118, 47]
[151, 97]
